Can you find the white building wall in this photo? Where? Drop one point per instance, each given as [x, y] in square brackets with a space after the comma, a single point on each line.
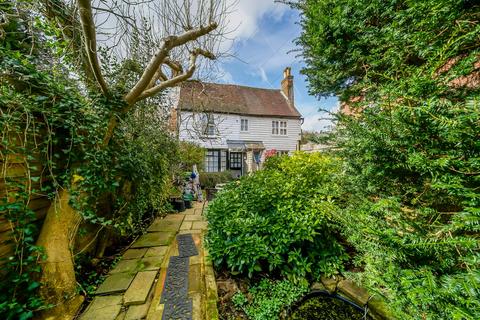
[227, 127]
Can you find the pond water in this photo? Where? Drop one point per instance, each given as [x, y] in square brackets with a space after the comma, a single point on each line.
[323, 307]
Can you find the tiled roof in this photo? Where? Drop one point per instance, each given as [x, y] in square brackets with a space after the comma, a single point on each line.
[227, 98]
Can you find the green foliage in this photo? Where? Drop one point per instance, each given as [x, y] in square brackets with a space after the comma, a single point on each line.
[354, 47]
[190, 154]
[56, 126]
[211, 179]
[269, 298]
[408, 70]
[279, 219]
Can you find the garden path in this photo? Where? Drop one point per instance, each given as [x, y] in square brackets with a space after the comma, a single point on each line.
[163, 275]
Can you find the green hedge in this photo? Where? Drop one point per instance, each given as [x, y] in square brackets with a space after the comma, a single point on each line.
[211, 179]
[279, 219]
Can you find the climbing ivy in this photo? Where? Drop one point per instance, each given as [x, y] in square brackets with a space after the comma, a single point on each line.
[53, 125]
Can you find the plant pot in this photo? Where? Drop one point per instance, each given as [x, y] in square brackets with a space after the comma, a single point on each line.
[178, 205]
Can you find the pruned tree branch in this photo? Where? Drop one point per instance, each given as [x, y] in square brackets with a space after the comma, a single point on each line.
[90, 38]
[162, 53]
[179, 78]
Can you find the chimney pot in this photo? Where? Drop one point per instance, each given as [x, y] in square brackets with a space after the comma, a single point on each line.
[287, 84]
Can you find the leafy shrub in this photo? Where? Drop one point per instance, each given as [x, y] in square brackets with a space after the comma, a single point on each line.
[211, 179]
[279, 219]
[269, 298]
[408, 71]
[189, 154]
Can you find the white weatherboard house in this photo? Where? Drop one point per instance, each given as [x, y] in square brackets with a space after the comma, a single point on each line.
[238, 125]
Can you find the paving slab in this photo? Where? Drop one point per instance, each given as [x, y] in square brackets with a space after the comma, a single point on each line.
[151, 263]
[200, 225]
[138, 290]
[193, 218]
[190, 231]
[154, 239]
[130, 265]
[136, 312]
[186, 225]
[156, 251]
[165, 225]
[115, 283]
[195, 279]
[103, 308]
[176, 216]
[134, 253]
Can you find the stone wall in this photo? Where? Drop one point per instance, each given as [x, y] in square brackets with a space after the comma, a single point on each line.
[347, 289]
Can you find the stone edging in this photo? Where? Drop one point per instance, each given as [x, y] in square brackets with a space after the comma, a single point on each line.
[348, 289]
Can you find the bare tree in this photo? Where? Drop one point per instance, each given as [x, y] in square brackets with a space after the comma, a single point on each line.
[179, 35]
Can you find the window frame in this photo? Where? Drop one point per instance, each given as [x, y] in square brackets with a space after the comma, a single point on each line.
[236, 160]
[243, 125]
[275, 127]
[216, 160]
[283, 128]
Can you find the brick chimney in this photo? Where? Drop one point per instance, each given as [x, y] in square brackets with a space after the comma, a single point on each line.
[287, 84]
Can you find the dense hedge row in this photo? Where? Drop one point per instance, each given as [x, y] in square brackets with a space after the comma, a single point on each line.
[279, 219]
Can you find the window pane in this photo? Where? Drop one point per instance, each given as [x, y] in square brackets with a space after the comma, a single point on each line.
[274, 127]
[211, 161]
[244, 124]
[236, 160]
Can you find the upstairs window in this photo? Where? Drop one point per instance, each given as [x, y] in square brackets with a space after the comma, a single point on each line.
[243, 124]
[275, 127]
[283, 128]
[279, 128]
[208, 124]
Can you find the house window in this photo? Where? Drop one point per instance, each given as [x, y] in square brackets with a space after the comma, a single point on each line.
[236, 159]
[208, 125]
[212, 161]
[282, 153]
[215, 160]
[243, 124]
[274, 127]
[283, 128]
[279, 127]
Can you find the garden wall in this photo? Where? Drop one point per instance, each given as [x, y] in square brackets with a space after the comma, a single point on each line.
[15, 168]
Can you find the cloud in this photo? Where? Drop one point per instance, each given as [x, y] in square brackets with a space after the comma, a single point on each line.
[263, 75]
[316, 122]
[245, 16]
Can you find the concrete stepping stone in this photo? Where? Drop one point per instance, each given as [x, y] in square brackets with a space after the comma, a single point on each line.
[165, 225]
[130, 265]
[186, 225]
[134, 253]
[154, 239]
[177, 216]
[190, 231]
[115, 283]
[136, 312]
[103, 308]
[200, 225]
[156, 251]
[138, 291]
[151, 263]
[193, 218]
[195, 279]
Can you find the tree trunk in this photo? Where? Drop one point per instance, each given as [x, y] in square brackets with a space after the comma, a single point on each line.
[59, 286]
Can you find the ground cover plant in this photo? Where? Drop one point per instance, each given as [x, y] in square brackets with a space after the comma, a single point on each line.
[268, 298]
[279, 220]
